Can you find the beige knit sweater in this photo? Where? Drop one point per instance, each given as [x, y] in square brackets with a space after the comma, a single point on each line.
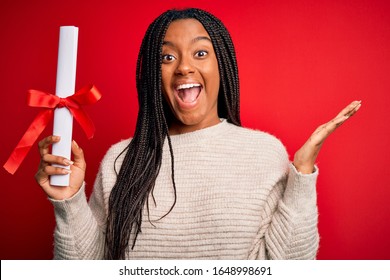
[238, 197]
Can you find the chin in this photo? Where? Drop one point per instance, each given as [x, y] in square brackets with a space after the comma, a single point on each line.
[189, 120]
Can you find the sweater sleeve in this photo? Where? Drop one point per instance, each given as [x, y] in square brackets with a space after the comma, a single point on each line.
[291, 231]
[79, 233]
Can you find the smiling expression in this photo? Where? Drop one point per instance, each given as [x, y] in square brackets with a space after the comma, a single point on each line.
[190, 76]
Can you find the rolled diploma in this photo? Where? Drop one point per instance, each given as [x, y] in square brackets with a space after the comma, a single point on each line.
[65, 86]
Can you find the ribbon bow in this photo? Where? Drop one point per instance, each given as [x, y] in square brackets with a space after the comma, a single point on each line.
[35, 98]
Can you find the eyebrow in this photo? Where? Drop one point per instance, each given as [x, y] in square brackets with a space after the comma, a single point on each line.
[196, 39]
[199, 38]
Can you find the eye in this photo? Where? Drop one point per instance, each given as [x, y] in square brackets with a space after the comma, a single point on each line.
[201, 53]
[168, 58]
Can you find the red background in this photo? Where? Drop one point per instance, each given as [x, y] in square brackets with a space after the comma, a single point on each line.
[300, 62]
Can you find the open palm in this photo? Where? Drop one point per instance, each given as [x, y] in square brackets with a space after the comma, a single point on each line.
[306, 156]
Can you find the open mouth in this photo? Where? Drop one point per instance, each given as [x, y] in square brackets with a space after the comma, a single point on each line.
[188, 93]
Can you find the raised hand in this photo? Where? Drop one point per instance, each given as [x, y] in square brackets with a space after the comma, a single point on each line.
[306, 156]
[77, 169]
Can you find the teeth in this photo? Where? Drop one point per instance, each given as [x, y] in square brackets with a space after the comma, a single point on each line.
[184, 86]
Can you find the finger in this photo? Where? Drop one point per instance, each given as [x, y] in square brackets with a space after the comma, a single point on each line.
[42, 164]
[54, 170]
[350, 110]
[49, 158]
[323, 131]
[336, 122]
[41, 177]
[78, 155]
[345, 114]
[44, 144]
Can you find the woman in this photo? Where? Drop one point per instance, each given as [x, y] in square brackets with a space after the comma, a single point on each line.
[192, 183]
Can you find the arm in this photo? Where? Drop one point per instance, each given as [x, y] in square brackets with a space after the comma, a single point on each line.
[80, 230]
[78, 234]
[291, 228]
[292, 231]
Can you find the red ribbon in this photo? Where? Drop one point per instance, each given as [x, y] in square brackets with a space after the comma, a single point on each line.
[35, 98]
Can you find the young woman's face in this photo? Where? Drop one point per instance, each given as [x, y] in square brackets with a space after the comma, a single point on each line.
[190, 76]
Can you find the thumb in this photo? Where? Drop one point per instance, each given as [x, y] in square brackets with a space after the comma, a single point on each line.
[78, 155]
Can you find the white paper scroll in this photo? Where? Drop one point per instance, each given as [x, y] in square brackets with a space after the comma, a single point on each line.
[65, 86]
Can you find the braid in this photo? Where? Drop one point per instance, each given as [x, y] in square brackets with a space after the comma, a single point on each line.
[142, 161]
[228, 98]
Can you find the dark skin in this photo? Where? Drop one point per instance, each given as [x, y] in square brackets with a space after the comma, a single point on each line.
[188, 59]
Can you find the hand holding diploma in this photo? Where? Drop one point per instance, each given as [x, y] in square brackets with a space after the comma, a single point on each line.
[306, 156]
[65, 106]
[45, 170]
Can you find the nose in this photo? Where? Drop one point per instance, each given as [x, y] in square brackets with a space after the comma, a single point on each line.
[184, 67]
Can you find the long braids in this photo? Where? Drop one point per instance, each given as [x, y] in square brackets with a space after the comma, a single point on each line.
[142, 162]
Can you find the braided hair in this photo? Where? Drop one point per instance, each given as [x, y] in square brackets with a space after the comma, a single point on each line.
[139, 170]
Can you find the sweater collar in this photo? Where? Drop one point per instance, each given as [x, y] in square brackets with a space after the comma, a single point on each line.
[200, 135]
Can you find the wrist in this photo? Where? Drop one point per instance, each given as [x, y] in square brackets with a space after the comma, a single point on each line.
[304, 168]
